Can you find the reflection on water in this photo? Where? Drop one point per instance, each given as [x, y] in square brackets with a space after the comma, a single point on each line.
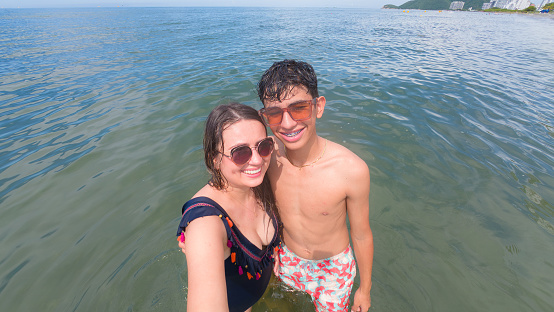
[101, 118]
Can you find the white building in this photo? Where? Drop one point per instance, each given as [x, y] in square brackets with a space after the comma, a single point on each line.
[486, 6]
[518, 4]
[543, 3]
[501, 4]
[508, 4]
[457, 5]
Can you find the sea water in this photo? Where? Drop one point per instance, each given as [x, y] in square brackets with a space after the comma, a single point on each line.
[101, 119]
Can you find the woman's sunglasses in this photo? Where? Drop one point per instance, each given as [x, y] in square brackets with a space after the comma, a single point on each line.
[298, 111]
[240, 155]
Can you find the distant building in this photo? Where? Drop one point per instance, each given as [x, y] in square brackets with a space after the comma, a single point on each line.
[518, 4]
[508, 4]
[457, 5]
[501, 4]
[544, 2]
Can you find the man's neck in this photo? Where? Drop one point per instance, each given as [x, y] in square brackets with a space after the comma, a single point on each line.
[308, 155]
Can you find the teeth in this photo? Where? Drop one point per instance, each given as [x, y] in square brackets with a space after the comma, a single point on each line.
[253, 171]
[292, 134]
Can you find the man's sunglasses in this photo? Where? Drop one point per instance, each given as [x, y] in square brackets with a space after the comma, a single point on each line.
[298, 111]
[240, 155]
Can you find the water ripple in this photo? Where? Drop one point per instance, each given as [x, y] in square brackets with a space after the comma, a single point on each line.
[102, 113]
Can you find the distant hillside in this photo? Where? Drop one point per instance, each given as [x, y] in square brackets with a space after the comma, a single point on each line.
[427, 4]
[436, 5]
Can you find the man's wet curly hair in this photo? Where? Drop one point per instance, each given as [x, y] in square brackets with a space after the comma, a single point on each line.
[277, 82]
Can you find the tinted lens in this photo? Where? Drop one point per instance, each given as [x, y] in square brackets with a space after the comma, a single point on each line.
[265, 147]
[241, 155]
[273, 115]
[298, 111]
[301, 111]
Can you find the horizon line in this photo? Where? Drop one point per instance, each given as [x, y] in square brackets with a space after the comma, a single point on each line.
[183, 6]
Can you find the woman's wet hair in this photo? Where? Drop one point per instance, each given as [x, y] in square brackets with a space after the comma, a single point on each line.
[222, 117]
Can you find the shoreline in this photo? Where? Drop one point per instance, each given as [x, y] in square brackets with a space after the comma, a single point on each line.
[536, 13]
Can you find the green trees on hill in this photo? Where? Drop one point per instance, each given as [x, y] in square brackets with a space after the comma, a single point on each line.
[530, 9]
[427, 4]
[477, 5]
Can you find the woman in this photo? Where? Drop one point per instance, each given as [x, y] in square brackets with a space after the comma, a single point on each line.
[229, 230]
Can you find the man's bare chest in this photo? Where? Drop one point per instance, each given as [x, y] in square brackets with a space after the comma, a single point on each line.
[309, 194]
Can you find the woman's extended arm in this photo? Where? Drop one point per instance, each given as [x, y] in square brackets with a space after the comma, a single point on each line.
[205, 247]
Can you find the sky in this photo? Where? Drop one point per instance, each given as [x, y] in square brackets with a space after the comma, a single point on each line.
[172, 3]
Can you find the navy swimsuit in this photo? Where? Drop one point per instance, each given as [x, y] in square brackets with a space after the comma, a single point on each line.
[248, 268]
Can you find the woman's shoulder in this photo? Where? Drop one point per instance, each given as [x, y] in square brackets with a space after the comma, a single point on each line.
[201, 206]
[206, 197]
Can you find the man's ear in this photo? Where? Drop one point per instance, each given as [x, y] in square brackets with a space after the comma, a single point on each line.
[320, 106]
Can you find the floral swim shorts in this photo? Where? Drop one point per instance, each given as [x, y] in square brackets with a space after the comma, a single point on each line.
[328, 281]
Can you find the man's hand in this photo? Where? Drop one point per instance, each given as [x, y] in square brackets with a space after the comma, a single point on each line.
[362, 301]
[277, 262]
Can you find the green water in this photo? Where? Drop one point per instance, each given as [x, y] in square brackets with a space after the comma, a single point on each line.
[101, 119]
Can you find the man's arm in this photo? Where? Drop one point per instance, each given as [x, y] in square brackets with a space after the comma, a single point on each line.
[357, 205]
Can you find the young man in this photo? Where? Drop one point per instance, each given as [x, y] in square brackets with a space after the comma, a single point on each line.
[317, 185]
